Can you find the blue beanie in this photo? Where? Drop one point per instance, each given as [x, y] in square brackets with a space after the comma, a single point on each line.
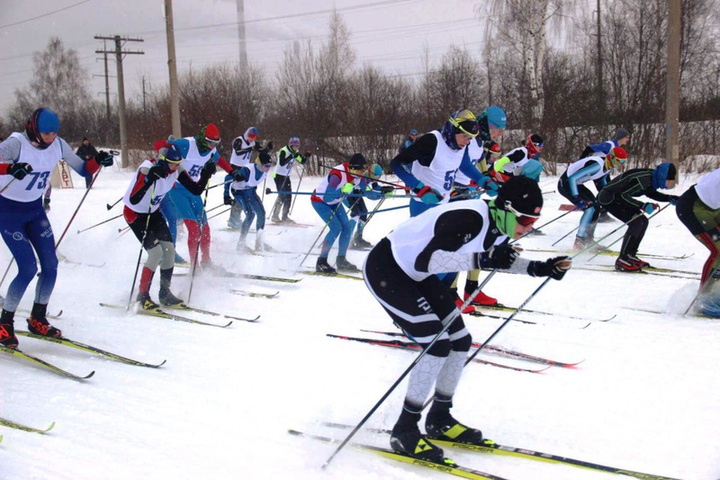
[496, 117]
[662, 173]
[532, 169]
[48, 121]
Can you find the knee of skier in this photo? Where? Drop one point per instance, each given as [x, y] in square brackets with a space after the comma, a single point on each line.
[27, 271]
[441, 348]
[462, 344]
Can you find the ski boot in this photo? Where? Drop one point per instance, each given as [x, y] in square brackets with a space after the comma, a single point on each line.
[441, 425]
[625, 264]
[180, 260]
[360, 243]
[581, 243]
[288, 221]
[481, 300]
[634, 259]
[344, 266]
[468, 309]
[7, 330]
[168, 299]
[323, 266]
[38, 324]
[145, 302]
[407, 439]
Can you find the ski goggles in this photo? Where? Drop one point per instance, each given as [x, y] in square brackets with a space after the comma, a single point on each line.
[522, 218]
[212, 143]
[466, 122]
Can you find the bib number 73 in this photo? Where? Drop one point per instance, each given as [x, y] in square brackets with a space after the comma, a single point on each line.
[38, 180]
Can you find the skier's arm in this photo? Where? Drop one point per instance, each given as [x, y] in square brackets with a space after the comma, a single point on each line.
[422, 151]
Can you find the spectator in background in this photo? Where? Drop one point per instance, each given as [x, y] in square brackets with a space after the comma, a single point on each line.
[87, 152]
[409, 140]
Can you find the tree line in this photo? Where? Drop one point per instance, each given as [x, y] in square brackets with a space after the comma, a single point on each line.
[337, 108]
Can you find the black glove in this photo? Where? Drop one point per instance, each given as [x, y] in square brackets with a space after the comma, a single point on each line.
[104, 158]
[156, 172]
[208, 169]
[227, 200]
[269, 146]
[19, 170]
[501, 256]
[239, 175]
[387, 189]
[555, 268]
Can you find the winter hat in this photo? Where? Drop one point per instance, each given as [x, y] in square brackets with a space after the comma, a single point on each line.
[534, 144]
[413, 132]
[520, 195]
[617, 157]
[84, 138]
[620, 134]
[496, 117]
[294, 142]
[42, 120]
[464, 121]
[212, 134]
[251, 134]
[662, 173]
[357, 162]
[375, 171]
[170, 154]
[532, 169]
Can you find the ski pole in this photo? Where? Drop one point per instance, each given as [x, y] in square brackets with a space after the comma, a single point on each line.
[561, 238]
[636, 216]
[447, 323]
[365, 176]
[292, 205]
[87, 190]
[109, 207]
[219, 213]
[142, 245]
[701, 290]
[339, 205]
[98, 224]
[202, 225]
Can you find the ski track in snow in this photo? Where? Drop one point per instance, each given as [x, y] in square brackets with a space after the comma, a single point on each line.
[645, 398]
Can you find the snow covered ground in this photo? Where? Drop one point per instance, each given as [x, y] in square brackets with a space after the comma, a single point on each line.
[645, 398]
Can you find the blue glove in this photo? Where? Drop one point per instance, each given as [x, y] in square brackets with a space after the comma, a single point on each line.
[649, 208]
[428, 195]
[491, 188]
[673, 200]
[579, 202]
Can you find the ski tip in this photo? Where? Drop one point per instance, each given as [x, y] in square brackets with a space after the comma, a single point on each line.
[89, 375]
[52, 425]
[158, 365]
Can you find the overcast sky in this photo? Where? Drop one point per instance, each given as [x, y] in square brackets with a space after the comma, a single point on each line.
[390, 34]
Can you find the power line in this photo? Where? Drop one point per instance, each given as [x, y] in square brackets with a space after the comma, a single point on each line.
[43, 15]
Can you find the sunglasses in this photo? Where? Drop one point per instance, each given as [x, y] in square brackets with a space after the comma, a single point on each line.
[211, 142]
[522, 218]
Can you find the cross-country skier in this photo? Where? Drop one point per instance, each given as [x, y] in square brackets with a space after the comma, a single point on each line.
[621, 138]
[428, 166]
[243, 148]
[409, 140]
[570, 185]
[327, 200]
[26, 162]
[154, 180]
[512, 164]
[244, 189]
[617, 197]
[401, 272]
[699, 210]
[196, 152]
[287, 156]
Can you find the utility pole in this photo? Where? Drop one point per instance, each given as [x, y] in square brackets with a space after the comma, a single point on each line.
[600, 86]
[119, 52]
[172, 71]
[241, 32]
[672, 106]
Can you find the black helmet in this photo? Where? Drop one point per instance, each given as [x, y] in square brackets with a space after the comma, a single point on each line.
[521, 196]
[357, 162]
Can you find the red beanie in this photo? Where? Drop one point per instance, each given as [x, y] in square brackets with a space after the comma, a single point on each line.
[212, 132]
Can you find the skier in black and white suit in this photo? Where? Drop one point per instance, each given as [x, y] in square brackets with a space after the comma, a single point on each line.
[400, 272]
